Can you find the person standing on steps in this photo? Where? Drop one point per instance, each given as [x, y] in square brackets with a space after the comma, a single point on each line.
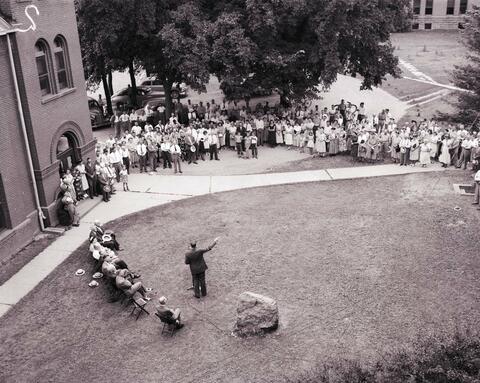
[194, 258]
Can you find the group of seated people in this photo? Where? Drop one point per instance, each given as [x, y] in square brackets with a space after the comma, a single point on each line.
[103, 244]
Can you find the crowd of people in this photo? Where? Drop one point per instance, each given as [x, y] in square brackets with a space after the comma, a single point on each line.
[146, 140]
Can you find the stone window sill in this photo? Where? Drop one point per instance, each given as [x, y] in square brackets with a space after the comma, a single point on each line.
[56, 96]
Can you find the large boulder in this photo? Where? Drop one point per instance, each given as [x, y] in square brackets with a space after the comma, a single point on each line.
[256, 315]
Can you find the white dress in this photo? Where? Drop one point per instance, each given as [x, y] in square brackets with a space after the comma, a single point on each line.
[82, 171]
[445, 154]
[289, 135]
[425, 153]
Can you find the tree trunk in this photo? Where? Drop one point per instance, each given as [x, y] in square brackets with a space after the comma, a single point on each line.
[110, 81]
[133, 96]
[108, 96]
[168, 99]
[284, 100]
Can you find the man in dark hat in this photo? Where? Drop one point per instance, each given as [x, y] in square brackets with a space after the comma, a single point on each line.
[194, 258]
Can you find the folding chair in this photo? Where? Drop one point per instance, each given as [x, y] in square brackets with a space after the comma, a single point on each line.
[139, 305]
[169, 324]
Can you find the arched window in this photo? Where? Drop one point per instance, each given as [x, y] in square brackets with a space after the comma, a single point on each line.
[62, 63]
[42, 58]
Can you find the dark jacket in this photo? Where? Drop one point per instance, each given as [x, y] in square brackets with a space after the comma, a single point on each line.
[194, 258]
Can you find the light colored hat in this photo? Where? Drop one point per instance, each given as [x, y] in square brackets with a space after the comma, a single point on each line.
[162, 300]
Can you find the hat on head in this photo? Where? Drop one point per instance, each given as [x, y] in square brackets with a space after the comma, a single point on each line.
[162, 300]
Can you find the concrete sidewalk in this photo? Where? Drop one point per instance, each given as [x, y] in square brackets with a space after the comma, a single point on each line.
[153, 190]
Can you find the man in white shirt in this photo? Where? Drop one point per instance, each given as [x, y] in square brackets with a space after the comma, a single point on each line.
[124, 122]
[125, 157]
[213, 144]
[465, 154]
[133, 117]
[165, 148]
[115, 158]
[176, 153]
[136, 129]
[260, 125]
[405, 144]
[142, 155]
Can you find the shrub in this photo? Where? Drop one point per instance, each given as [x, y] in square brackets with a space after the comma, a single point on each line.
[434, 360]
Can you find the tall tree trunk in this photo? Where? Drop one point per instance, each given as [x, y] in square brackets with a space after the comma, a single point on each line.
[133, 96]
[110, 81]
[284, 100]
[168, 99]
[108, 96]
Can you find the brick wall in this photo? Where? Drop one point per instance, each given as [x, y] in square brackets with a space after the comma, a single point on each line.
[13, 161]
[49, 117]
[17, 183]
[46, 118]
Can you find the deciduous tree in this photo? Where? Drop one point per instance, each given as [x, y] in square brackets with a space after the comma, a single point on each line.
[467, 76]
[296, 46]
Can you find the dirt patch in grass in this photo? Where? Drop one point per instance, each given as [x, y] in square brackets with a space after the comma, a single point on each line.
[11, 265]
[357, 267]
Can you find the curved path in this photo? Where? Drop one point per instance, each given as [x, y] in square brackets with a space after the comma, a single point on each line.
[149, 191]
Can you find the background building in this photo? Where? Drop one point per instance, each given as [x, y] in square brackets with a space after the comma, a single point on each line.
[440, 14]
[53, 113]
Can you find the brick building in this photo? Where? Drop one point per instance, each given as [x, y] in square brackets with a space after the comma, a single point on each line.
[44, 116]
[440, 14]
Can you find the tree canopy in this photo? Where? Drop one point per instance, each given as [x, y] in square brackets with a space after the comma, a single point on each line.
[292, 47]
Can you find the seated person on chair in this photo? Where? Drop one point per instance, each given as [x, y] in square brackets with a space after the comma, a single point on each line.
[106, 237]
[124, 281]
[104, 254]
[168, 314]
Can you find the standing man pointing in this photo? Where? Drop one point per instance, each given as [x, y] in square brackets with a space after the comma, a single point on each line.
[194, 258]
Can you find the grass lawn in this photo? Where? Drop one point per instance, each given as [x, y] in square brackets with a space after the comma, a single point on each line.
[435, 53]
[12, 264]
[357, 267]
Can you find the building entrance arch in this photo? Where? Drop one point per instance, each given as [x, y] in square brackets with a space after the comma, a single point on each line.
[67, 151]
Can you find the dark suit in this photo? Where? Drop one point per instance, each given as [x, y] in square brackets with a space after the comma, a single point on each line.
[91, 179]
[103, 180]
[195, 259]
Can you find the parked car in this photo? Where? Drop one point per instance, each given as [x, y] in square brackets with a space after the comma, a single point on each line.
[154, 103]
[120, 100]
[98, 118]
[178, 90]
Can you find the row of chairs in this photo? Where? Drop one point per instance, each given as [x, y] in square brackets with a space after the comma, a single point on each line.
[138, 305]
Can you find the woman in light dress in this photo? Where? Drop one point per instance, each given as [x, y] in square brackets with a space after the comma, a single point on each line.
[296, 135]
[425, 150]
[342, 140]
[445, 151]
[289, 136]
[320, 145]
[83, 176]
[309, 138]
[395, 147]
[333, 136]
[414, 150]
[278, 133]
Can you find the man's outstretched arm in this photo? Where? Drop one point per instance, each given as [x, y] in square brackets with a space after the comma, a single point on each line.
[212, 245]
